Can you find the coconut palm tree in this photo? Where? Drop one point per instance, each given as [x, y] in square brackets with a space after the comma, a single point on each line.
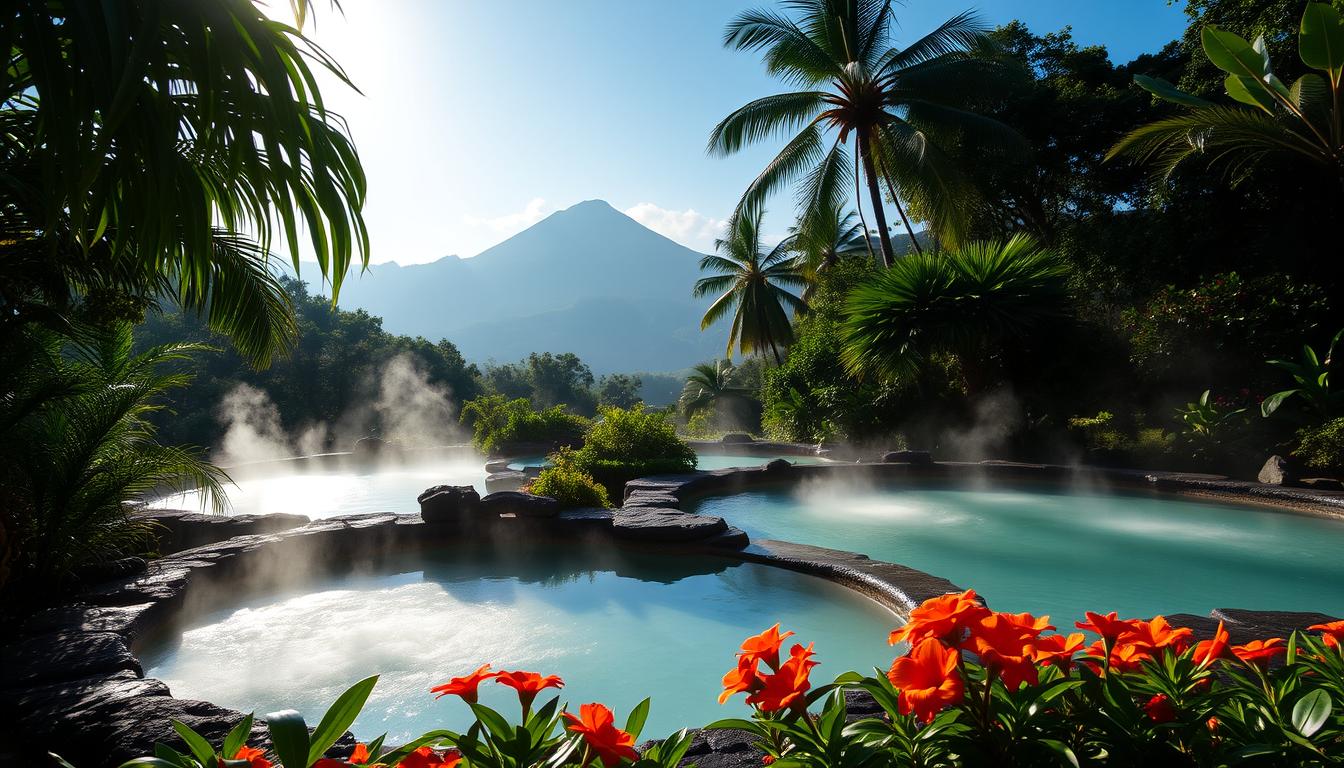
[708, 385]
[752, 284]
[156, 150]
[897, 105]
[965, 302]
[834, 235]
[1303, 121]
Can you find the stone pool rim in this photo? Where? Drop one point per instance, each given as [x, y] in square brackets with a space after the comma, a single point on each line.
[74, 669]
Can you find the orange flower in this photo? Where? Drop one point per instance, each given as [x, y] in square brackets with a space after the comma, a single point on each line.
[742, 678]
[1108, 626]
[1209, 651]
[596, 724]
[1004, 647]
[927, 679]
[765, 646]
[253, 756]
[1027, 623]
[1259, 652]
[466, 687]
[1156, 634]
[788, 686]
[1332, 633]
[1160, 709]
[360, 756]
[1125, 657]
[528, 684]
[941, 617]
[1057, 650]
[424, 757]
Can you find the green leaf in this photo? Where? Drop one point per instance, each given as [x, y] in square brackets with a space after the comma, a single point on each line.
[1321, 43]
[340, 715]
[289, 736]
[1061, 749]
[196, 743]
[1168, 92]
[139, 762]
[237, 737]
[1232, 54]
[635, 722]
[1272, 403]
[1249, 90]
[1311, 712]
[170, 755]
[499, 727]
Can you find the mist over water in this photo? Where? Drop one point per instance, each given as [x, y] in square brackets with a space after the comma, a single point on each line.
[614, 636]
[1063, 553]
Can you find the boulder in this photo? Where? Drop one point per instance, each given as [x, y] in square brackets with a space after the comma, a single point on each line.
[449, 503]
[658, 524]
[737, 437]
[497, 465]
[775, 466]
[1321, 483]
[519, 504]
[907, 457]
[1276, 471]
[505, 481]
[65, 656]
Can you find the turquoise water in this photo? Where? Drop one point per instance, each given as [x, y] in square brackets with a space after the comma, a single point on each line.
[615, 635]
[1064, 553]
[703, 461]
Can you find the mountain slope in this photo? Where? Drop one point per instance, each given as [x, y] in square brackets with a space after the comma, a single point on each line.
[588, 280]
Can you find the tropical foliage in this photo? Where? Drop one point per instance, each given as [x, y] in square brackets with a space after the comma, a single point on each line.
[624, 444]
[77, 446]
[1304, 120]
[898, 105]
[567, 484]
[709, 386]
[185, 179]
[972, 687]
[753, 284]
[498, 423]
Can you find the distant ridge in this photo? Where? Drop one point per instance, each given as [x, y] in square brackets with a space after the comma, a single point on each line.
[588, 280]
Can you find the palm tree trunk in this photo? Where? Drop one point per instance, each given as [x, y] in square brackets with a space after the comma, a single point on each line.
[858, 204]
[914, 241]
[875, 194]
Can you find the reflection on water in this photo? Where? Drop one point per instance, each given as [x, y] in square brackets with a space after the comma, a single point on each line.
[1063, 553]
[705, 461]
[649, 625]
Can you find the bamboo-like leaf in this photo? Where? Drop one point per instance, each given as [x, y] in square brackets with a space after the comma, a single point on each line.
[339, 717]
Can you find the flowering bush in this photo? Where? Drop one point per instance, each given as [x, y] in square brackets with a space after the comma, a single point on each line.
[974, 687]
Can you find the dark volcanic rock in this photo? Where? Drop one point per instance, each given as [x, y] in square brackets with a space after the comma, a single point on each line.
[1276, 471]
[737, 437]
[1265, 624]
[650, 499]
[776, 466]
[519, 504]
[505, 481]
[1321, 483]
[65, 656]
[660, 524]
[177, 529]
[907, 457]
[497, 465]
[449, 503]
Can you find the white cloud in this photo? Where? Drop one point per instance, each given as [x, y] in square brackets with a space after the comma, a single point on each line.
[689, 227]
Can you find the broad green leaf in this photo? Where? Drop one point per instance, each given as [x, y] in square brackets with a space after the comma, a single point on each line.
[237, 737]
[1311, 712]
[289, 737]
[393, 757]
[339, 717]
[1232, 54]
[1249, 90]
[635, 722]
[493, 721]
[1061, 749]
[196, 743]
[1321, 42]
[168, 754]
[1272, 403]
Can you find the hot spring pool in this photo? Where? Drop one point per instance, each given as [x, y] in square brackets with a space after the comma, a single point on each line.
[704, 461]
[329, 492]
[615, 635]
[1061, 553]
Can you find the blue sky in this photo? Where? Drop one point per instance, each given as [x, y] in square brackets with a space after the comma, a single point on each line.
[478, 118]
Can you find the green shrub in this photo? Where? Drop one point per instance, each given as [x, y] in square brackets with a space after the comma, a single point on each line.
[497, 421]
[1322, 447]
[628, 443]
[567, 484]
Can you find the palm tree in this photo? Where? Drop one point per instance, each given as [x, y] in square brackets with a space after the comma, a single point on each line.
[157, 149]
[835, 235]
[897, 104]
[753, 285]
[79, 447]
[964, 302]
[1304, 121]
[708, 385]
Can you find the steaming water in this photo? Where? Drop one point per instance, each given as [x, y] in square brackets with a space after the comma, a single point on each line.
[702, 461]
[614, 636]
[327, 493]
[1064, 553]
